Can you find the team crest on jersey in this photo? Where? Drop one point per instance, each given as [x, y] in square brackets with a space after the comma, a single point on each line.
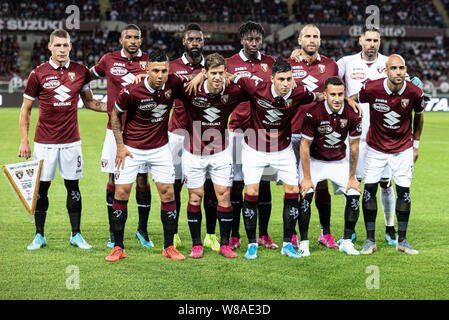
[104, 163]
[380, 69]
[225, 98]
[168, 94]
[72, 76]
[343, 123]
[288, 103]
[322, 68]
[404, 103]
[264, 67]
[30, 172]
[143, 65]
[116, 175]
[19, 174]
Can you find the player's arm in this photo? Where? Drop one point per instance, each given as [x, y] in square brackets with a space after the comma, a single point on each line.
[353, 183]
[195, 82]
[91, 103]
[304, 152]
[116, 124]
[93, 75]
[418, 124]
[24, 124]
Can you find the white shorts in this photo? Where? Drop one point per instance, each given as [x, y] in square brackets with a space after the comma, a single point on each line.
[235, 149]
[196, 168]
[109, 153]
[335, 171]
[176, 144]
[67, 155]
[360, 169]
[400, 164]
[283, 163]
[159, 162]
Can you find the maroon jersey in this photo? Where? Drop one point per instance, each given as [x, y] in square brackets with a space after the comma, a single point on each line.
[271, 115]
[207, 118]
[119, 71]
[259, 69]
[329, 130]
[147, 112]
[57, 90]
[181, 67]
[390, 129]
[311, 76]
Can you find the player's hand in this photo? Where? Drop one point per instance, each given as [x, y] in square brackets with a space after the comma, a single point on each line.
[306, 185]
[295, 55]
[353, 183]
[194, 85]
[24, 151]
[139, 78]
[355, 106]
[415, 155]
[122, 153]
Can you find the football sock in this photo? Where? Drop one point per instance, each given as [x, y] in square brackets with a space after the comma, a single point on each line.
[369, 205]
[73, 204]
[110, 190]
[177, 188]
[194, 218]
[264, 207]
[237, 203]
[403, 207]
[119, 217]
[143, 199]
[249, 212]
[169, 221]
[290, 215]
[352, 209]
[210, 206]
[323, 205]
[40, 212]
[304, 216]
[387, 200]
[225, 223]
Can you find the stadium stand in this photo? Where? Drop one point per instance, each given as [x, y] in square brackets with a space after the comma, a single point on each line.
[22, 50]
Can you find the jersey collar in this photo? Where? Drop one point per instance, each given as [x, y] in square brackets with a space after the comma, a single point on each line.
[391, 92]
[147, 85]
[329, 109]
[186, 61]
[55, 66]
[208, 92]
[244, 58]
[122, 53]
[275, 95]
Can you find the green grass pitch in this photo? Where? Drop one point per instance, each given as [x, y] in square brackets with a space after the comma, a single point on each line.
[60, 271]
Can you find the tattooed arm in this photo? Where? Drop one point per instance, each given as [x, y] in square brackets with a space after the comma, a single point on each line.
[353, 183]
[91, 103]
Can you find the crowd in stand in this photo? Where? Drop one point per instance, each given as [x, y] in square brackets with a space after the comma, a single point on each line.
[51, 10]
[352, 12]
[213, 11]
[9, 56]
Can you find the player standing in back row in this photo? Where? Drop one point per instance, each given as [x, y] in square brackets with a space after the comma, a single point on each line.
[248, 63]
[120, 69]
[57, 84]
[392, 142]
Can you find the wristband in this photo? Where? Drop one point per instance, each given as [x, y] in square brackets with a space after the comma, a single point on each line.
[415, 144]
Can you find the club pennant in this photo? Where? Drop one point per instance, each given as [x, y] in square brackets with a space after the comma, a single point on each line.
[24, 178]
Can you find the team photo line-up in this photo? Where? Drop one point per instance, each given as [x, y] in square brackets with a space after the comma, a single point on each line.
[226, 128]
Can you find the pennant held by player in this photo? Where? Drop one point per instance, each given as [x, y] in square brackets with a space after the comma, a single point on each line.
[24, 178]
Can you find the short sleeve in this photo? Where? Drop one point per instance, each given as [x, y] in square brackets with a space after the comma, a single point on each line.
[100, 68]
[363, 95]
[341, 68]
[308, 126]
[33, 86]
[355, 131]
[419, 103]
[123, 100]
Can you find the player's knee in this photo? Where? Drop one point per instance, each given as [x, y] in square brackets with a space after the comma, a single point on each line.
[369, 196]
[403, 202]
[290, 189]
[42, 196]
[73, 196]
[166, 193]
